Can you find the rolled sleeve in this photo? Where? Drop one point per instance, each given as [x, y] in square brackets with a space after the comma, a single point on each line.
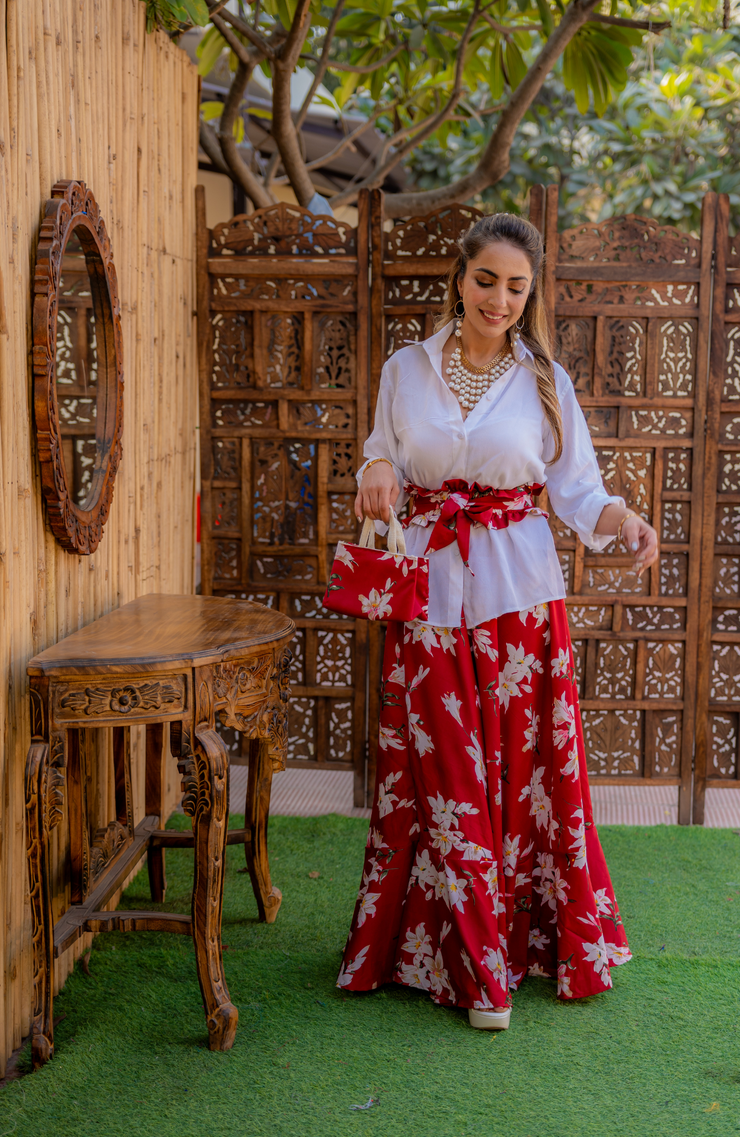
[383, 442]
[574, 484]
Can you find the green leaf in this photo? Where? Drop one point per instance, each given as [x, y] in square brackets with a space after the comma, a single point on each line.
[209, 51]
[211, 110]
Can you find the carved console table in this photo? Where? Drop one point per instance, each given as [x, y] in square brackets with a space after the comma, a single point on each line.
[180, 660]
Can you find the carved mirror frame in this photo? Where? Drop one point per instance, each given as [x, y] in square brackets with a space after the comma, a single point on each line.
[72, 207]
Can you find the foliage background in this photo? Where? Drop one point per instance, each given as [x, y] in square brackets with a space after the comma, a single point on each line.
[671, 135]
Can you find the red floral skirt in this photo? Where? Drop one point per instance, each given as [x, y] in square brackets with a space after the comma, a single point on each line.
[483, 863]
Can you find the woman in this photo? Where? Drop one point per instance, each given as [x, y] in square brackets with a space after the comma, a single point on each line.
[483, 863]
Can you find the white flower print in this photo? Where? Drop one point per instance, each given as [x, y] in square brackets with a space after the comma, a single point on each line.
[389, 738]
[385, 797]
[446, 639]
[579, 844]
[452, 704]
[366, 907]
[443, 811]
[522, 880]
[416, 632]
[563, 721]
[452, 889]
[377, 605]
[445, 840]
[571, 767]
[537, 939]
[476, 753]
[531, 732]
[511, 853]
[439, 980]
[516, 673]
[535, 969]
[560, 665]
[484, 1003]
[603, 902]
[553, 889]
[618, 954]
[398, 673]
[466, 962]
[540, 804]
[348, 969]
[490, 878]
[596, 954]
[446, 929]
[425, 872]
[483, 645]
[401, 561]
[494, 961]
[415, 975]
[418, 943]
[343, 554]
[418, 678]
[564, 981]
[473, 852]
[422, 741]
[375, 840]
[540, 612]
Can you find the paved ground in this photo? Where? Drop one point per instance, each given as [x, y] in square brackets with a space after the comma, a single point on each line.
[308, 793]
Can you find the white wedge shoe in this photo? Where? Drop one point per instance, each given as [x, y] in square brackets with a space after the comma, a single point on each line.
[489, 1020]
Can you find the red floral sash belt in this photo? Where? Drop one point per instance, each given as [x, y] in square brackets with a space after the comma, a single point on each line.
[457, 506]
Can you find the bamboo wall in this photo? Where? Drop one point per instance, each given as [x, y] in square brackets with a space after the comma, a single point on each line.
[85, 93]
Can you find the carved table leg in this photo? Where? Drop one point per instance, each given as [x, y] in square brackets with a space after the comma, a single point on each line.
[256, 815]
[154, 796]
[43, 811]
[207, 797]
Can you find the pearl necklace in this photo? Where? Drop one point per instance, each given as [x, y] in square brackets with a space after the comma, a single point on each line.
[472, 382]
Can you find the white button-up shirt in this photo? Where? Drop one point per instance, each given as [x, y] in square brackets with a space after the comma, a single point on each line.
[504, 442]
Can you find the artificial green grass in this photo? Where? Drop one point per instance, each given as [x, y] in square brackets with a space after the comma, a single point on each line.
[659, 1055]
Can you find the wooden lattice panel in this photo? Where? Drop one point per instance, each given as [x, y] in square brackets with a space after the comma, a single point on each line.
[718, 698]
[631, 301]
[283, 361]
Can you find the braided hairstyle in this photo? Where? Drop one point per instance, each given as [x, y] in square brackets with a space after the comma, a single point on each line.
[535, 334]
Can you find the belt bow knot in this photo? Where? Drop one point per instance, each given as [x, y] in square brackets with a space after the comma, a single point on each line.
[464, 505]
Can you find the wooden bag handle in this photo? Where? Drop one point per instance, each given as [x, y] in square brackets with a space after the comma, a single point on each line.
[396, 539]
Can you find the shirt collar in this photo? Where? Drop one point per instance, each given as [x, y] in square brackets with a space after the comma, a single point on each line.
[433, 346]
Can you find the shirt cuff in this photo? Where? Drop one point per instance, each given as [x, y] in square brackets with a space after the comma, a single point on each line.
[587, 518]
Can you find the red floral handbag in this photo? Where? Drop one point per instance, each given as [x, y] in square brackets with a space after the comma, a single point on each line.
[369, 584]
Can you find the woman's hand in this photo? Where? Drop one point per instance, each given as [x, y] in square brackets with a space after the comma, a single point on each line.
[637, 536]
[377, 493]
[642, 540]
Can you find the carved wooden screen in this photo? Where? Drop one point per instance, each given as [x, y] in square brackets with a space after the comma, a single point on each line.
[283, 350]
[718, 694]
[409, 261]
[632, 301]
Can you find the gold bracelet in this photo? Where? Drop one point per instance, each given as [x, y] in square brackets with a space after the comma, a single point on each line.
[621, 523]
[373, 461]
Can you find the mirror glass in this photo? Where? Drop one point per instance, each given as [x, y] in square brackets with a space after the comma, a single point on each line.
[77, 387]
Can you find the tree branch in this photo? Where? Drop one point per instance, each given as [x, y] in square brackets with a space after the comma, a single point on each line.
[241, 52]
[290, 51]
[214, 9]
[209, 141]
[283, 127]
[421, 130]
[240, 171]
[322, 64]
[235, 44]
[494, 162]
[360, 69]
[621, 22]
[348, 139]
[507, 30]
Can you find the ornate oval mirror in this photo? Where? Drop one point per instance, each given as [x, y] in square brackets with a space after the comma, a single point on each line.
[77, 366]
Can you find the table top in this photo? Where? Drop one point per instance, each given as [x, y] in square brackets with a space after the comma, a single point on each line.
[156, 633]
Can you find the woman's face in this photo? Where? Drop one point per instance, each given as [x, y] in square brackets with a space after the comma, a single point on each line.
[495, 288]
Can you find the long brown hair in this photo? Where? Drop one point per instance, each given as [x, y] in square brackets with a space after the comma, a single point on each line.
[535, 333]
